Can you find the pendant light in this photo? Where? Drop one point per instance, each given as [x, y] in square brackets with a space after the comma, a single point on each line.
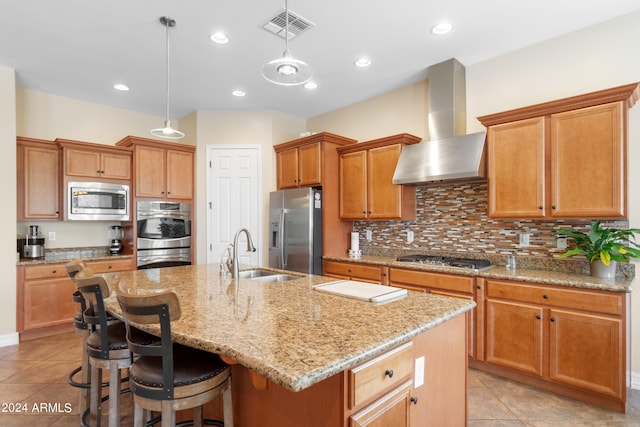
[287, 71]
[167, 131]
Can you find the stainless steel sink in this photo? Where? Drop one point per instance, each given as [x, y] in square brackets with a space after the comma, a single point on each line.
[266, 276]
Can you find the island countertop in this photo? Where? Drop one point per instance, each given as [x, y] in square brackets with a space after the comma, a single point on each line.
[285, 331]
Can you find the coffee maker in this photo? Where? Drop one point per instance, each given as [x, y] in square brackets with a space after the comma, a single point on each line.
[31, 246]
[116, 235]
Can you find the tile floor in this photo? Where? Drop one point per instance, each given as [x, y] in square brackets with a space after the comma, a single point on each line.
[33, 378]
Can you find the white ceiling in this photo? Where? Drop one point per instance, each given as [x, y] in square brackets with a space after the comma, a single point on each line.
[80, 48]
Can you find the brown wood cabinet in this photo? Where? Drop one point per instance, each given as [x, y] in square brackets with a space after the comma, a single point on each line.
[305, 162]
[562, 159]
[366, 187]
[162, 170]
[566, 340]
[88, 160]
[38, 180]
[440, 284]
[355, 271]
[44, 294]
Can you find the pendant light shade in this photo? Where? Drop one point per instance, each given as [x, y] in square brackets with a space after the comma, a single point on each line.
[286, 70]
[167, 131]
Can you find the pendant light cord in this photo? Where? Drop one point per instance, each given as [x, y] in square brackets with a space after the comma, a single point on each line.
[168, 22]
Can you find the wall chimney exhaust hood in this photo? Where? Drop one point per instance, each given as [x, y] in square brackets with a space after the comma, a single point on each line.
[449, 154]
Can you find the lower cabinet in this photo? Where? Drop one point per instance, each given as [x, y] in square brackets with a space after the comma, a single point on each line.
[355, 271]
[45, 305]
[571, 340]
[392, 409]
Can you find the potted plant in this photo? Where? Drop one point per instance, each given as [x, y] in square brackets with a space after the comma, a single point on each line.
[603, 247]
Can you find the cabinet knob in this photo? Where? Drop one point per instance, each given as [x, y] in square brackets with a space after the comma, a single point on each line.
[540, 207]
[479, 287]
[414, 400]
[54, 271]
[545, 296]
[553, 319]
[538, 317]
[553, 206]
[389, 373]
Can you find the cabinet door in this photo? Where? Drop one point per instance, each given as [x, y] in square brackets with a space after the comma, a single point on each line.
[587, 162]
[586, 351]
[516, 169]
[353, 185]
[150, 172]
[82, 163]
[115, 166]
[287, 168]
[309, 165]
[48, 302]
[391, 410]
[41, 190]
[384, 199]
[514, 336]
[179, 174]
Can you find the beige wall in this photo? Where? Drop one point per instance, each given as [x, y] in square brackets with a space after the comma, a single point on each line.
[8, 232]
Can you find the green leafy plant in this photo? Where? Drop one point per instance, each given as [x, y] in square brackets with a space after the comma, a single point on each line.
[605, 244]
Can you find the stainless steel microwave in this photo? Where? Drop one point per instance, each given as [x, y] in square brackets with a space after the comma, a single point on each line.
[97, 201]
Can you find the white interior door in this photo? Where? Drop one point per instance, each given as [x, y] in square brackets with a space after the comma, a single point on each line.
[233, 191]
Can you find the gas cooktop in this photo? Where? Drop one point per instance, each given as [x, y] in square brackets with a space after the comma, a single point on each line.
[466, 263]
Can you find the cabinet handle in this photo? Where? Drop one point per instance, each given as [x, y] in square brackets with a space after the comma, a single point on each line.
[538, 317]
[414, 400]
[389, 373]
[545, 296]
[553, 319]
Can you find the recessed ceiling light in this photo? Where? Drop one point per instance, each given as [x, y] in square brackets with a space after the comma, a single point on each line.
[238, 93]
[311, 85]
[441, 28]
[219, 38]
[363, 62]
[121, 87]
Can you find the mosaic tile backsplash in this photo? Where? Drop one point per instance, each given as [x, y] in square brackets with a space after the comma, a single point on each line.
[452, 218]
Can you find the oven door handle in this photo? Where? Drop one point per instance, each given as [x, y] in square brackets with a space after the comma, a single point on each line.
[153, 215]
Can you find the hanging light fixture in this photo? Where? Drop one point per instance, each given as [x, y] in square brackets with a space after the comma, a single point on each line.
[287, 71]
[167, 131]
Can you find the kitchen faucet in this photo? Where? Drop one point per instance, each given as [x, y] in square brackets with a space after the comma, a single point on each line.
[232, 263]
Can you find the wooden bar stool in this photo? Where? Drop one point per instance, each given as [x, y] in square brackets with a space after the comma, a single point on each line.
[169, 377]
[106, 346]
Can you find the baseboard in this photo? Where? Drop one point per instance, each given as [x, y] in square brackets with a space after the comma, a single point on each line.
[635, 380]
[9, 339]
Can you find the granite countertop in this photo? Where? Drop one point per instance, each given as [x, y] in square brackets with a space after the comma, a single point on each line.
[64, 255]
[549, 277]
[285, 331]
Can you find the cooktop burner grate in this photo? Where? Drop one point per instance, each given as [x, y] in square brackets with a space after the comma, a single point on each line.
[467, 263]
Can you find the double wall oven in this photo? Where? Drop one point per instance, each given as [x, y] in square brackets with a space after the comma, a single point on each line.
[164, 234]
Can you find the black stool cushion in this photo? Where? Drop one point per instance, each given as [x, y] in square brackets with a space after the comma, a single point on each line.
[118, 337]
[190, 366]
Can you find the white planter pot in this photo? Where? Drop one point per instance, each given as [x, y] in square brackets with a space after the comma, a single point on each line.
[598, 269]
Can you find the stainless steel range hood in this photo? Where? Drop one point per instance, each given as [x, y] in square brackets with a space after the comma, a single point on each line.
[449, 154]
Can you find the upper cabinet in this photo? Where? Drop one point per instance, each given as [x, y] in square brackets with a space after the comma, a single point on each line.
[306, 161]
[95, 161]
[366, 180]
[38, 179]
[161, 170]
[561, 159]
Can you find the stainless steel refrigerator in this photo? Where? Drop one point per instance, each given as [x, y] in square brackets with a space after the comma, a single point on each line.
[295, 230]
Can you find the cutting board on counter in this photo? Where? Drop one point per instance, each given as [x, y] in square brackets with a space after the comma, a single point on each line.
[361, 290]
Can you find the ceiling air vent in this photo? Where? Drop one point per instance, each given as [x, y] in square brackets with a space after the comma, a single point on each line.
[297, 24]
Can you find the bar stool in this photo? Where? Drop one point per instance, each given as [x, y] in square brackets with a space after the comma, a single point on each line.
[167, 376]
[106, 347]
[82, 329]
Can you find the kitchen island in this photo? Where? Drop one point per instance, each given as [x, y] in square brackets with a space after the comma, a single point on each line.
[305, 357]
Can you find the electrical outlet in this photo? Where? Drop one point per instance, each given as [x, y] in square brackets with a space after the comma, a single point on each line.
[52, 235]
[418, 372]
[561, 242]
[369, 235]
[524, 240]
[409, 236]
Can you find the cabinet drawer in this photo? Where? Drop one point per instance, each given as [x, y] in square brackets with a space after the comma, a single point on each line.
[425, 279]
[600, 302]
[109, 266]
[380, 374]
[353, 271]
[49, 271]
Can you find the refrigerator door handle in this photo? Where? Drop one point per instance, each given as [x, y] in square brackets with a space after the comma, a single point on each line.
[283, 259]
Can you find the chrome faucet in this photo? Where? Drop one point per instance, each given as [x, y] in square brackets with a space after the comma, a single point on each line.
[232, 263]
